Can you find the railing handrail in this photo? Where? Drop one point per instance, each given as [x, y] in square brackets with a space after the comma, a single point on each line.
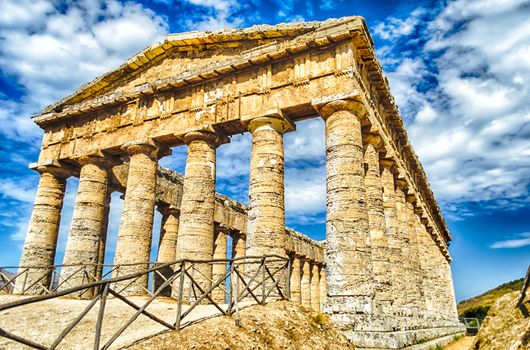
[148, 263]
[268, 278]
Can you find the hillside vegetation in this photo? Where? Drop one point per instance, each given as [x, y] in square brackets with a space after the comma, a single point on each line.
[479, 306]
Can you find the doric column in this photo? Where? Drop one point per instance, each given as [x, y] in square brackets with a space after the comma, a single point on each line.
[88, 218]
[295, 279]
[315, 286]
[425, 261]
[239, 244]
[104, 233]
[41, 239]
[305, 283]
[167, 246]
[322, 289]
[418, 299]
[218, 270]
[376, 220]
[451, 305]
[350, 287]
[266, 216]
[395, 251]
[136, 226]
[412, 293]
[196, 231]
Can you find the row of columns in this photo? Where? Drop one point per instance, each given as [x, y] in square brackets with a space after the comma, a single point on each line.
[308, 282]
[372, 228]
[373, 257]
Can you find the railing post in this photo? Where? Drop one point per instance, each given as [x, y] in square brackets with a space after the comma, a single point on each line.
[179, 297]
[101, 311]
[288, 277]
[231, 288]
[238, 320]
[263, 281]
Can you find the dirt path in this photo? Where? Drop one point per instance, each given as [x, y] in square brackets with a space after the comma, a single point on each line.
[43, 321]
[461, 344]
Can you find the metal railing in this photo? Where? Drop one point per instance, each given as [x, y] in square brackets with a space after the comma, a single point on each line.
[526, 283]
[257, 279]
[472, 325]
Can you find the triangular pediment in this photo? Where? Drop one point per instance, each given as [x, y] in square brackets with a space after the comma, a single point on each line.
[180, 53]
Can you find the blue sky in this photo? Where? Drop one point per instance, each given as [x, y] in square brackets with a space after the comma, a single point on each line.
[459, 70]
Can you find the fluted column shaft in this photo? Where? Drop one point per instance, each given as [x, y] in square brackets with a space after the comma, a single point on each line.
[88, 219]
[218, 270]
[349, 278]
[306, 282]
[41, 239]
[296, 280]
[376, 221]
[196, 231]
[315, 287]
[266, 216]
[239, 245]
[323, 288]
[167, 246]
[417, 297]
[136, 226]
[395, 248]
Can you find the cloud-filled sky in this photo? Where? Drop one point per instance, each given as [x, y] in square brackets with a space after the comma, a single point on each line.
[459, 70]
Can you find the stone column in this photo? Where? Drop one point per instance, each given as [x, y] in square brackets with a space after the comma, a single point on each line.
[239, 245]
[305, 283]
[412, 293]
[41, 239]
[350, 288]
[425, 260]
[84, 239]
[266, 216]
[103, 236]
[167, 246]
[376, 221]
[418, 299]
[196, 231]
[219, 269]
[296, 280]
[451, 305]
[136, 226]
[322, 289]
[315, 286]
[395, 252]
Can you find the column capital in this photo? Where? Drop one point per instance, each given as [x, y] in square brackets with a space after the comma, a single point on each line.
[166, 209]
[213, 138]
[402, 184]
[53, 167]
[388, 163]
[327, 105]
[374, 140]
[272, 118]
[146, 146]
[97, 158]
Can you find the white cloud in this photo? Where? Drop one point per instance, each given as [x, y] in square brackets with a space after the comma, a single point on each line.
[220, 15]
[60, 49]
[464, 98]
[523, 241]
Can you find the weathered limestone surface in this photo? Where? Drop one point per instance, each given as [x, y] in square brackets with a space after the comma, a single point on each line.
[315, 286]
[136, 226]
[266, 216]
[305, 284]
[296, 279]
[167, 246]
[41, 239]
[350, 285]
[88, 222]
[376, 220]
[196, 230]
[219, 270]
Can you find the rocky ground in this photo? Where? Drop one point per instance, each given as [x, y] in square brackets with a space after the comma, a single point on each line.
[464, 343]
[279, 325]
[507, 325]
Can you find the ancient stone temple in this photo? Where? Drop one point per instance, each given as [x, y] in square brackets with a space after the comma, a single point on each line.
[383, 272]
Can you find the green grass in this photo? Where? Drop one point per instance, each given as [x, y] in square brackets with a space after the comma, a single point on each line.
[478, 306]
